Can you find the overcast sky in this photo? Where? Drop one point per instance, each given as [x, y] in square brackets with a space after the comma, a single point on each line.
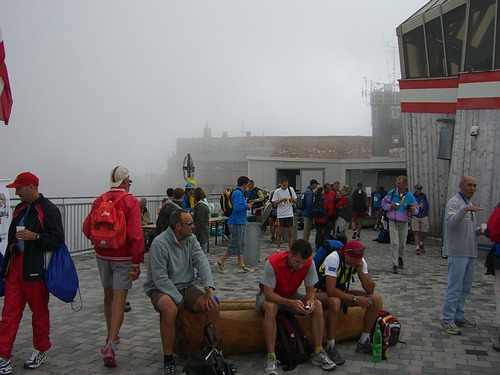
[98, 83]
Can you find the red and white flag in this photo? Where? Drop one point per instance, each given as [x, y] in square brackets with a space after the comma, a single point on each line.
[5, 94]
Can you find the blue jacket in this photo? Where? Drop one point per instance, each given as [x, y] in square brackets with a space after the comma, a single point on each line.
[422, 198]
[239, 215]
[308, 197]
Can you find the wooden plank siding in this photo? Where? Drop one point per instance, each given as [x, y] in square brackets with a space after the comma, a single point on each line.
[477, 156]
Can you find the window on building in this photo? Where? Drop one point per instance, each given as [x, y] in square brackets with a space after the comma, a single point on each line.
[435, 46]
[454, 35]
[395, 111]
[479, 50]
[414, 53]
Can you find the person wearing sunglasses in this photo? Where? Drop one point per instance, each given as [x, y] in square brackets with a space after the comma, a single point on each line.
[170, 283]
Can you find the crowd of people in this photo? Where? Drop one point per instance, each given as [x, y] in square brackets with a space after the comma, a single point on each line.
[179, 274]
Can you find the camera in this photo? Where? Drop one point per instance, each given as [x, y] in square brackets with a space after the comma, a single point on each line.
[474, 131]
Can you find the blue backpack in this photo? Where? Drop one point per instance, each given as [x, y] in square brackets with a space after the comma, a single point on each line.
[328, 247]
[61, 276]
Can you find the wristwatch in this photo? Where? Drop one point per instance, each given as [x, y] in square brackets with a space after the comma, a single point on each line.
[354, 299]
[209, 287]
[38, 236]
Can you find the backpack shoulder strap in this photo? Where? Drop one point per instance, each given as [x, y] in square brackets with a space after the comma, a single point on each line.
[120, 196]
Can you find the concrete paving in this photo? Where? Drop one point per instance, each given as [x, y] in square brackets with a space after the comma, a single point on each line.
[414, 296]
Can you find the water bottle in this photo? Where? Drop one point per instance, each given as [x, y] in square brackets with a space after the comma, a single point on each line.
[377, 345]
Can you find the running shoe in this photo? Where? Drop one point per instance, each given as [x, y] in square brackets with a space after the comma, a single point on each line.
[220, 267]
[246, 269]
[335, 355]
[36, 359]
[271, 366]
[323, 360]
[450, 328]
[5, 366]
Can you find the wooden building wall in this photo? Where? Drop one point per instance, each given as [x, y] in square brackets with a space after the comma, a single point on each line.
[422, 133]
[476, 156]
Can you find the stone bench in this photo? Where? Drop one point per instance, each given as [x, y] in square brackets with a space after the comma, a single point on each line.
[241, 328]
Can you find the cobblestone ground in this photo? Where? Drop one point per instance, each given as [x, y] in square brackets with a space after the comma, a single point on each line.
[414, 296]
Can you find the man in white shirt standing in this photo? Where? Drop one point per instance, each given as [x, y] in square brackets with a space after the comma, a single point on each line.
[285, 199]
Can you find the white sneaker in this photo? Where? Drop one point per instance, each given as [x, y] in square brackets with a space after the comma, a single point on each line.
[271, 366]
[323, 360]
[451, 328]
[5, 366]
[37, 359]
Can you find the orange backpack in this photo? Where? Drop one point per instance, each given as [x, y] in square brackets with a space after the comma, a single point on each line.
[108, 226]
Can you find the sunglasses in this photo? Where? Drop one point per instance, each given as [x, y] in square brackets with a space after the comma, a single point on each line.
[357, 250]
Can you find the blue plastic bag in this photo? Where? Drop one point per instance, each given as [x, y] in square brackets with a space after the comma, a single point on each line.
[61, 276]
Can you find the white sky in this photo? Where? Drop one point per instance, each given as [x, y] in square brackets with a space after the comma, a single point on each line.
[98, 83]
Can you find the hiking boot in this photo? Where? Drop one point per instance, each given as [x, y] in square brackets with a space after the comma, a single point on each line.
[394, 269]
[246, 269]
[5, 366]
[365, 348]
[271, 366]
[36, 359]
[322, 359]
[417, 252]
[354, 234]
[465, 323]
[496, 346]
[108, 356]
[220, 267]
[401, 264]
[335, 355]
[169, 368]
[422, 249]
[450, 328]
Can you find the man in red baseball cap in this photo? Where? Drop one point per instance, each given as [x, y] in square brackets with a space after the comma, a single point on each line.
[339, 268]
[36, 228]
[25, 178]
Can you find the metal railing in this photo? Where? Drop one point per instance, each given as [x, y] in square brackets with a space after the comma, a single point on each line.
[74, 210]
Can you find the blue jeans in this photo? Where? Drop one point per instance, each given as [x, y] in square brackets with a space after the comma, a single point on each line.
[460, 278]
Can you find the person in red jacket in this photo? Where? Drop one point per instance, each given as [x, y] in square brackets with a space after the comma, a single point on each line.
[493, 260]
[331, 214]
[284, 273]
[118, 267]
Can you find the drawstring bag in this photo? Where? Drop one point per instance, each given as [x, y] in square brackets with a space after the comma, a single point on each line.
[61, 277]
[210, 360]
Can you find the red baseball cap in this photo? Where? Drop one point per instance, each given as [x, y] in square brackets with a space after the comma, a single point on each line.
[25, 178]
[354, 249]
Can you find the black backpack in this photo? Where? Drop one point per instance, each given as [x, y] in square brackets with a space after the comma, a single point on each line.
[292, 346]
[318, 210]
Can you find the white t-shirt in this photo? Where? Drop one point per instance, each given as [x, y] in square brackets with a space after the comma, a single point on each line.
[332, 263]
[285, 209]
